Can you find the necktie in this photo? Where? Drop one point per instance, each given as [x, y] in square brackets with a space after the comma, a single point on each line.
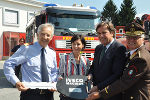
[102, 53]
[44, 72]
[129, 55]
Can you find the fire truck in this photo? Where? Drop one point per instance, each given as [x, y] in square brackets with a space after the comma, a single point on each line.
[146, 24]
[68, 20]
[120, 30]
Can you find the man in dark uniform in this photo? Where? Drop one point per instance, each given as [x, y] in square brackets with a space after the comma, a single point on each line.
[135, 81]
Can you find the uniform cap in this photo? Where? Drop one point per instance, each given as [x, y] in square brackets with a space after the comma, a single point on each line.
[134, 29]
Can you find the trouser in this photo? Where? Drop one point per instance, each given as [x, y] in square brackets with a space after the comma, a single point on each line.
[36, 94]
[17, 70]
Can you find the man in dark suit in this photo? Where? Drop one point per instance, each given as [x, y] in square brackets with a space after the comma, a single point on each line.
[109, 59]
[135, 81]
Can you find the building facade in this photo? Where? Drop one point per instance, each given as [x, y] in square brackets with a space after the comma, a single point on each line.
[14, 16]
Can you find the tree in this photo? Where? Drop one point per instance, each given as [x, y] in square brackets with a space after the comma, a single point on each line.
[110, 12]
[127, 12]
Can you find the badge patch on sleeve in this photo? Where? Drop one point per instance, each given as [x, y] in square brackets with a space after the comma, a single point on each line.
[132, 70]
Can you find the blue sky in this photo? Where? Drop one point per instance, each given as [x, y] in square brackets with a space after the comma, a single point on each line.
[142, 6]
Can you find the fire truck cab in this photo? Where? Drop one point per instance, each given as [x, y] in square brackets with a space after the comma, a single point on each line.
[68, 20]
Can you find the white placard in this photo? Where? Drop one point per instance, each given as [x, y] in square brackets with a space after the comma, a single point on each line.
[40, 85]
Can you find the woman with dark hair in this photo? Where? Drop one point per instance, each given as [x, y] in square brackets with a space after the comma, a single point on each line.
[74, 63]
[21, 42]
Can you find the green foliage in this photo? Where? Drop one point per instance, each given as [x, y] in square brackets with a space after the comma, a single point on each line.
[119, 18]
[127, 12]
[110, 12]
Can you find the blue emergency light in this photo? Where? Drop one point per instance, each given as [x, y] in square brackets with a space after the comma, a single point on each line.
[46, 5]
[93, 8]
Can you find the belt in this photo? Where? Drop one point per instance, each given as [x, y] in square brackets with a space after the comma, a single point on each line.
[37, 91]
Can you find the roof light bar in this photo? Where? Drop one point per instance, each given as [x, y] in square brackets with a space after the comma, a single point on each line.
[46, 5]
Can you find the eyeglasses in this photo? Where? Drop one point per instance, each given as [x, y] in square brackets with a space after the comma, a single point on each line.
[132, 37]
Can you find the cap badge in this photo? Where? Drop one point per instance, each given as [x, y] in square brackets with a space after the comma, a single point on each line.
[132, 30]
[132, 25]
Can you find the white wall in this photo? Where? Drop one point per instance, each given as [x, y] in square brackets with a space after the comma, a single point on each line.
[23, 7]
[1, 36]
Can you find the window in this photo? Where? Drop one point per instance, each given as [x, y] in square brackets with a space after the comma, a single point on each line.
[11, 17]
[120, 30]
[30, 16]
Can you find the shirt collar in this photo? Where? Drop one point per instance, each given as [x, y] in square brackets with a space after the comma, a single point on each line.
[108, 45]
[132, 51]
[46, 49]
[72, 56]
[39, 46]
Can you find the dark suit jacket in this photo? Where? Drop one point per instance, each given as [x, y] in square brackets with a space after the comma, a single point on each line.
[135, 82]
[111, 66]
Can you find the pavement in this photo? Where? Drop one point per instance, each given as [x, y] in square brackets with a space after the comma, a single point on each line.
[7, 92]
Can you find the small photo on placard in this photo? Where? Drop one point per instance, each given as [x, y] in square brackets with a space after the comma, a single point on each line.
[75, 90]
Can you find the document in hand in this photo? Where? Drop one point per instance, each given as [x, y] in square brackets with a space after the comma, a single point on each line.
[40, 85]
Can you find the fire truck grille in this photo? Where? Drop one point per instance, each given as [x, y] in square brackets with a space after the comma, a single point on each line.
[64, 44]
[88, 55]
[90, 44]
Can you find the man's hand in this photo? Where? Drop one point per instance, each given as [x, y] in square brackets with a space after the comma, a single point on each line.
[52, 89]
[93, 96]
[21, 87]
[89, 77]
[94, 89]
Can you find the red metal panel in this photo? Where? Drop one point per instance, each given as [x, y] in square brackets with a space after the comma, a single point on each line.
[6, 36]
[52, 43]
[22, 35]
[11, 39]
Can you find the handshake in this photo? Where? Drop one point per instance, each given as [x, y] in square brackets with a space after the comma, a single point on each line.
[93, 94]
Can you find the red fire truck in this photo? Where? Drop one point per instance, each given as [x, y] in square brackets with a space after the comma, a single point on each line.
[68, 20]
[120, 30]
[146, 24]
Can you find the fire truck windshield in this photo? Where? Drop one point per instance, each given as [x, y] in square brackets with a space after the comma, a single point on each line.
[66, 21]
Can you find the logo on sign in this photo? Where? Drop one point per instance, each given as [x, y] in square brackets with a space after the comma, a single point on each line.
[74, 81]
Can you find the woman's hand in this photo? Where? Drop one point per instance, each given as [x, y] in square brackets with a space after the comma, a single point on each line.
[89, 77]
[60, 78]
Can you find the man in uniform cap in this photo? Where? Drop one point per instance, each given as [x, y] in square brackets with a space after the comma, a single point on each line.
[135, 81]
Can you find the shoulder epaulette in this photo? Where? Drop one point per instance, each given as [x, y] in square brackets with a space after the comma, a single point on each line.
[139, 53]
[135, 53]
